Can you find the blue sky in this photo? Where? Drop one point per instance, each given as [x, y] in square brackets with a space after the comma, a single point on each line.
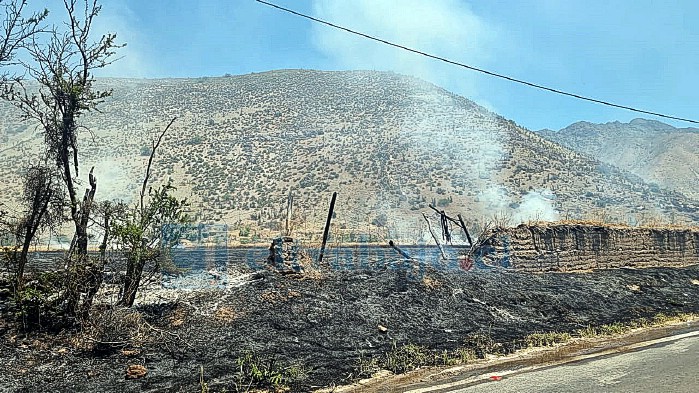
[641, 53]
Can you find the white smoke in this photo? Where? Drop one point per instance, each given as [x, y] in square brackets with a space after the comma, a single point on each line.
[448, 28]
[117, 17]
[536, 205]
[494, 200]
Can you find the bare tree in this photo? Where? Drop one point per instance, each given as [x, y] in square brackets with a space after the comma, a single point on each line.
[105, 213]
[17, 30]
[61, 66]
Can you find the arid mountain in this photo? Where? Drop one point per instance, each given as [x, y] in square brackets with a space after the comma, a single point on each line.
[388, 144]
[657, 152]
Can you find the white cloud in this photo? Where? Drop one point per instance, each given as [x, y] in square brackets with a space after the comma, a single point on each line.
[447, 28]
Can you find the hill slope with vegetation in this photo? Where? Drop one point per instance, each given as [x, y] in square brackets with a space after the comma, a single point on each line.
[388, 144]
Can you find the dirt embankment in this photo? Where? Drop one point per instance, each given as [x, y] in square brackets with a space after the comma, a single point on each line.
[325, 325]
[574, 247]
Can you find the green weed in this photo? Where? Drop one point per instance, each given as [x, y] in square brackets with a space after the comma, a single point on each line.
[624, 327]
[367, 367]
[548, 339]
[261, 372]
[408, 357]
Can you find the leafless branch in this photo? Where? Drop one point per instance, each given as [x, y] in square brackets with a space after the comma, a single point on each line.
[156, 144]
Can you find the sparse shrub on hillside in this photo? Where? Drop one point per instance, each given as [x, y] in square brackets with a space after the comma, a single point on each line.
[379, 146]
[443, 202]
[380, 220]
[196, 140]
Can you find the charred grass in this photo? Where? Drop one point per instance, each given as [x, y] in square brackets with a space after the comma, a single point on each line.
[287, 334]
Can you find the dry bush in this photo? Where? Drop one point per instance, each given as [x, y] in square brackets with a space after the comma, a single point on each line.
[110, 329]
[277, 297]
[311, 274]
[179, 315]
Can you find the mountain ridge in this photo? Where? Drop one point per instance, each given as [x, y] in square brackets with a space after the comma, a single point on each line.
[655, 151]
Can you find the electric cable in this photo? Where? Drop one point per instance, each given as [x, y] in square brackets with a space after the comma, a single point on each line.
[481, 70]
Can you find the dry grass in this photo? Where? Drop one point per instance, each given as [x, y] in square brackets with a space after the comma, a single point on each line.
[431, 283]
[110, 329]
[278, 296]
[618, 328]
[225, 314]
[310, 274]
[612, 225]
[130, 352]
[178, 316]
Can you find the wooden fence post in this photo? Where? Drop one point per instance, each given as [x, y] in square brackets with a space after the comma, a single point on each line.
[327, 227]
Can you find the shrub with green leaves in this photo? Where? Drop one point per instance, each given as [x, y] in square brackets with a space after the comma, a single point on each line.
[37, 302]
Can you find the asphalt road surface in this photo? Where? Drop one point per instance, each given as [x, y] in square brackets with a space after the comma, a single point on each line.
[668, 367]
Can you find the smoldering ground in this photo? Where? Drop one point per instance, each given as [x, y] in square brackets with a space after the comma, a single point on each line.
[327, 324]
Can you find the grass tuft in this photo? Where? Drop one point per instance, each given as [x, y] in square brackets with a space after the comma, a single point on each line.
[547, 339]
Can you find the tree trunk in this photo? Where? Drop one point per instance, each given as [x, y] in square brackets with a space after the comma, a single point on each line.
[39, 208]
[84, 215]
[132, 281]
[83, 276]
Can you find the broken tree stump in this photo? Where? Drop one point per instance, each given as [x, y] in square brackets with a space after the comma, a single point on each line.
[460, 223]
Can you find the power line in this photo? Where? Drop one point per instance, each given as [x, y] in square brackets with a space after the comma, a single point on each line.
[481, 70]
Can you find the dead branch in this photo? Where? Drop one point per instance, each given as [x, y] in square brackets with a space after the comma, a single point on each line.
[429, 227]
[156, 144]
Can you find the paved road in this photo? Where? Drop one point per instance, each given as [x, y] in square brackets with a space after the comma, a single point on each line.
[667, 368]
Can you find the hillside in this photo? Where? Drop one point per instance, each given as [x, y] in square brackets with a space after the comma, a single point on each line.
[387, 143]
[657, 152]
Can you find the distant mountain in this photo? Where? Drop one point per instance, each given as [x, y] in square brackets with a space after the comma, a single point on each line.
[388, 144]
[657, 152]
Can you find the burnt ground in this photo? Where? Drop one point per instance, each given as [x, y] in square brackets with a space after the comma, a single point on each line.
[324, 325]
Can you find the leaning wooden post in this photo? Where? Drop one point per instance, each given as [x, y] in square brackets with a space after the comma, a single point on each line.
[429, 227]
[398, 250]
[463, 226]
[289, 212]
[327, 227]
